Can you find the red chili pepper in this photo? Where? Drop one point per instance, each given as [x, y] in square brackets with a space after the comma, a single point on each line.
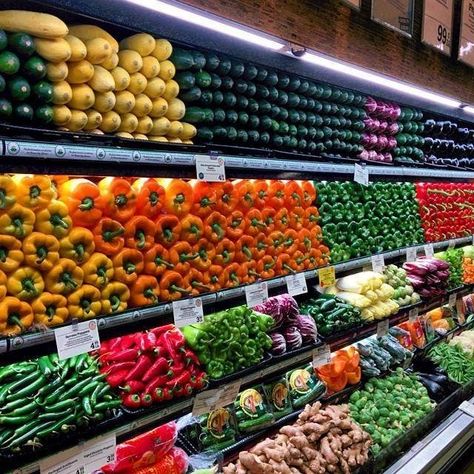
[134, 386]
[157, 395]
[146, 399]
[126, 355]
[113, 368]
[115, 344]
[127, 341]
[180, 380]
[191, 357]
[199, 380]
[188, 390]
[159, 367]
[144, 362]
[167, 394]
[162, 329]
[131, 400]
[178, 391]
[172, 341]
[178, 367]
[147, 341]
[157, 382]
[117, 378]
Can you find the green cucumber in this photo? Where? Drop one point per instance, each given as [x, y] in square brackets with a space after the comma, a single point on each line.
[282, 98]
[250, 72]
[23, 112]
[194, 115]
[227, 83]
[242, 136]
[262, 74]
[264, 138]
[206, 97]
[283, 127]
[302, 131]
[21, 43]
[231, 133]
[302, 144]
[251, 89]
[185, 79]
[243, 118]
[293, 100]
[241, 86]
[237, 69]
[43, 90]
[216, 81]
[229, 99]
[219, 115]
[283, 115]
[224, 67]
[3, 84]
[44, 113]
[262, 91]
[254, 121]
[292, 130]
[242, 102]
[212, 61]
[277, 141]
[191, 95]
[286, 140]
[208, 115]
[303, 88]
[34, 68]
[275, 126]
[199, 60]
[275, 111]
[266, 122]
[271, 79]
[254, 136]
[294, 84]
[203, 79]
[217, 97]
[3, 40]
[231, 116]
[283, 80]
[272, 94]
[5, 108]
[311, 148]
[252, 106]
[310, 118]
[182, 59]
[19, 88]
[219, 132]
[9, 63]
[312, 90]
[293, 116]
[264, 106]
[303, 102]
[205, 134]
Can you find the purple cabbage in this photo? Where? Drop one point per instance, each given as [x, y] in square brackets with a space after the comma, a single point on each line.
[278, 343]
[307, 328]
[282, 308]
[416, 281]
[293, 337]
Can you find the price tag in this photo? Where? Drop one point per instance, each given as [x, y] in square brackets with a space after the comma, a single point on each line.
[77, 339]
[452, 300]
[437, 24]
[382, 328]
[296, 284]
[460, 311]
[327, 277]
[210, 168]
[65, 462]
[361, 174]
[429, 252]
[256, 294]
[429, 331]
[228, 393]
[451, 244]
[210, 400]
[98, 451]
[378, 263]
[411, 254]
[187, 312]
[321, 356]
[413, 314]
[467, 408]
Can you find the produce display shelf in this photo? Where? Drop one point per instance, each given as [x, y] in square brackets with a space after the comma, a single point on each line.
[70, 153]
[163, 312]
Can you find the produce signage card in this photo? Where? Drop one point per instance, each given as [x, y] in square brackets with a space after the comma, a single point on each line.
[394, 14]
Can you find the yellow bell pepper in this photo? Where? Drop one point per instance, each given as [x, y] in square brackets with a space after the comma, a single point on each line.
[115, 297]
[7, 191]
[41, 251]
[26, 283]
[78, 245]
[50, 310]
[64, 278]
[98, 270]
[11, 255]
[54, 219]
[17, 221]
[34, 191]
[15, 316]
[84, 303]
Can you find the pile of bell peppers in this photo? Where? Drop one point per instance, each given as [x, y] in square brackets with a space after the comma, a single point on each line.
[358, 220]
[151, 367]
[77, 248]
[446, 209]
[230, 340]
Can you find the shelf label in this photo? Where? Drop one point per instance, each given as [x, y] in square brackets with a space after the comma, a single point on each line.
[411, 254]
[210, 400]
[467, 407]
[382, 328]
[378, 263]
[413, 314]
[361, 174]
[256, 294]
[210, 168]
[77, 339]
[394, 14]
[187, 311]
[452, 300]
[451, 244]
[65, 462]
[327, 277]
[321, 356]
[98, 452]
[428, 248]
[296, 284]
[438, 24]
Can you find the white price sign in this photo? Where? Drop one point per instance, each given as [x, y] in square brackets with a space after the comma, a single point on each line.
[466, 34]
[77, 339]
[437, 29]
[378, 263]
[382, 328]
[210, 400]
[411, 254]
[452, 300]
[256, 294]
[321, 356]
[210, 168]
[65, 462]
[98, 452]
[187, 312]
[428, 248]
[413, 314]
[467, 407]
[361, 174]
[394, 14]
[296, 284]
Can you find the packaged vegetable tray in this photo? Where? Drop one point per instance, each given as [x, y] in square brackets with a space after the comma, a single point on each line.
[278, 394]
[218, 429]
[252, 410]
[304, 386]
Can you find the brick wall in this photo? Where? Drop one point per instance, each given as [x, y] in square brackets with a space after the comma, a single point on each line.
[333, 28]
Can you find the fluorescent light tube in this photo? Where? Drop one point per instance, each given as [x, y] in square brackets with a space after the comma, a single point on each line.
[469, 109]
[210, 23]
[378, 79]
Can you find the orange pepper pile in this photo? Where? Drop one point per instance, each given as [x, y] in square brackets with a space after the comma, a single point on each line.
[468, 270]
[343, 370]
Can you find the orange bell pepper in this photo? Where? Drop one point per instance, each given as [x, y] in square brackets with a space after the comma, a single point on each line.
[145, 291]
[309, 193]
[235, 225]
[84, 303]
[156, 261]
[115, 297]
[98, 270]
[293, 194]
[34, 191]
[261, 193]
[172, 286]
[262, 242]
[297, 218]
[150, 197]
[65, 277]
[215, 227]
[204, 198]
[313, 258]
[311, 217]
[54, 219]
[108, 236]
[168, 230]
[178, 196]
[254, 222]
[334, 384]
[305, 240]
[226, 198]
[268, 217]
[339, 363]
[3, 285]
[128, 264]
[290, 241]
[206, 252]
[276, 239]
[284, 264]
[15, 316]
[50, 310]
[41, 251]
[78, 245]
[225, 253]
[282, 219]
[119, 198]
[324, 251]
[7, 192]
[17, 221]
[194, 282]
[58, 179]
[192, 228]
[83, 200]
[266, 267]
[181, 254]
[249, 271]
[11, 255]
[140, 233]
[276, 194]
[215, 276]
[300, 260]
[354, 376]
[25, 283]
[233, 275]
[245, 190]
[245, 249]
